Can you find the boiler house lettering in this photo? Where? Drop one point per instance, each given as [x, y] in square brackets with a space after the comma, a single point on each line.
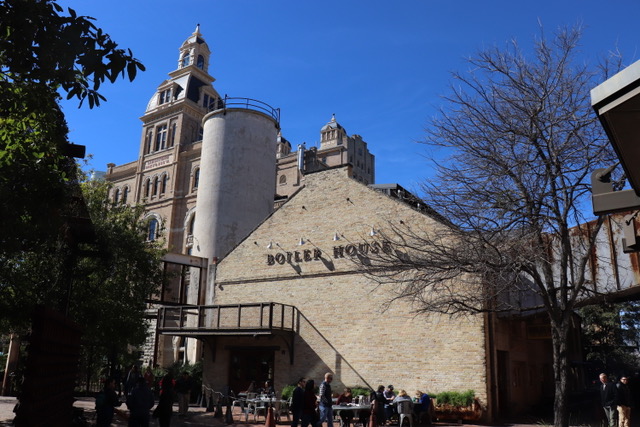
[342, 251]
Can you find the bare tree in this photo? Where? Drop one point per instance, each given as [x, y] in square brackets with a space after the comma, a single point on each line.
[517, 141]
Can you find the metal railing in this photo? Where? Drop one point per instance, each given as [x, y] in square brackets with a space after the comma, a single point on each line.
[247, 104]
[230, 318]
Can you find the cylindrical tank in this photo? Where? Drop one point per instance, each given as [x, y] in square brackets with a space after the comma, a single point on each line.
[237, 177]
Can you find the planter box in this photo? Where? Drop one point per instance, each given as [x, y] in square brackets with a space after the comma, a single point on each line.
[466, 413]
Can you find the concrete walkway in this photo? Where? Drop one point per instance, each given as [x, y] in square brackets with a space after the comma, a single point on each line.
[196, 417]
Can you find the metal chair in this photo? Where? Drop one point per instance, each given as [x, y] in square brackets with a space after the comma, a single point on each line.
[282, 409]
[405, 410]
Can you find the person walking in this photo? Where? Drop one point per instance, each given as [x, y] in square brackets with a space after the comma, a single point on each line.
[624, 403]
[609, 398]
[309, 405]
[297, 399]
[184, 384]
[164, 410]
[326, 401]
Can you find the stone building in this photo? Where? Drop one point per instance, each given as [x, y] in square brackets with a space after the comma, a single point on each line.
[266, 239]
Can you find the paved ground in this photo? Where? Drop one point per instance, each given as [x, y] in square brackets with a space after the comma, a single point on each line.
[197, 417]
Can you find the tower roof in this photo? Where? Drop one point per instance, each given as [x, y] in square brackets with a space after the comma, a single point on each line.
[332, 124]
[196, 37]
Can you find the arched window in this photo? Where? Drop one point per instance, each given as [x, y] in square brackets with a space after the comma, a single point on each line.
[125, 194]
[185, 59]
[200, 63]
[152, 230]
[165, 179]
[156, 184]
[147, 187]
[116, 196]
[196, 178]
[283, 179]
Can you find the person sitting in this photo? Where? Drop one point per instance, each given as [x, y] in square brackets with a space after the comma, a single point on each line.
[344, 399]
[422, 407]
[268, 389]
[404, 404]
[251, 389]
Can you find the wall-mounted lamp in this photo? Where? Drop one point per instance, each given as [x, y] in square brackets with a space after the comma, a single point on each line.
[373, 232]
[270, 245]
[301, 242]
[336, 237]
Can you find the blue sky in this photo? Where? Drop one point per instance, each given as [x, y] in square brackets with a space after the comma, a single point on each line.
[380, 66]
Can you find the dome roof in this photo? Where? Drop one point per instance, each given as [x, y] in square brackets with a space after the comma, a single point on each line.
[196, 37]
[332, 124]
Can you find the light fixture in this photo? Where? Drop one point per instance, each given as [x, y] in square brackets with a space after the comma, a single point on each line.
[336, 237]
[270, 245]
[373, 232]
[301, 242]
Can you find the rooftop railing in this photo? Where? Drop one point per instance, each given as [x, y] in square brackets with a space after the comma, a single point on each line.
[247, 104]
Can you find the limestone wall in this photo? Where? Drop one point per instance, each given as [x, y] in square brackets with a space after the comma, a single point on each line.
[343, 327]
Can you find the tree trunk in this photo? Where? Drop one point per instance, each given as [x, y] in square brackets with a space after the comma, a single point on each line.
[560, 334]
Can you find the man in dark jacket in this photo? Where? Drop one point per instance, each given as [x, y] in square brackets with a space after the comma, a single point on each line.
[609, 397]
[624, 402]
[297, 398]
[140, 401]
[106, 402]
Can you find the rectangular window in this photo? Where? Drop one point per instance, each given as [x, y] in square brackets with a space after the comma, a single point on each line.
[165, 96]
[161, 137]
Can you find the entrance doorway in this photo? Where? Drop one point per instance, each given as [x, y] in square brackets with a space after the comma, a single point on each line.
[250, 364]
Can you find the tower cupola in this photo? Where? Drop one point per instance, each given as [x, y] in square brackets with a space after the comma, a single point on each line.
[332, 134]
[195, 52]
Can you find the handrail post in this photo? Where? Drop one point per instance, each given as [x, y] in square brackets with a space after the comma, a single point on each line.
[281, 316]
[239, 313]
[271, 316]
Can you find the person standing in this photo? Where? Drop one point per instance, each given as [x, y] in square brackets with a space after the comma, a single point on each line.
[140, 401]
[297, 399]
[106, 402]
[326, 401]
[164, 410]
[309, 404]
[183, 389]
[377, 406]
[132, 379]
[389, 409]
[609, 398]
[624, 403]
[149, 378]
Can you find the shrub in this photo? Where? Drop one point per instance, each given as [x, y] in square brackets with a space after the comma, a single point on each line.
[456, 398]
[360, 391]
[287, 391]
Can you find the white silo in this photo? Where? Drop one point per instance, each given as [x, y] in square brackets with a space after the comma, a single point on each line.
[237, 174]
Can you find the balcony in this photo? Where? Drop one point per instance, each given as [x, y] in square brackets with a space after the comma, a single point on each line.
[263, 318]
[207, 322]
